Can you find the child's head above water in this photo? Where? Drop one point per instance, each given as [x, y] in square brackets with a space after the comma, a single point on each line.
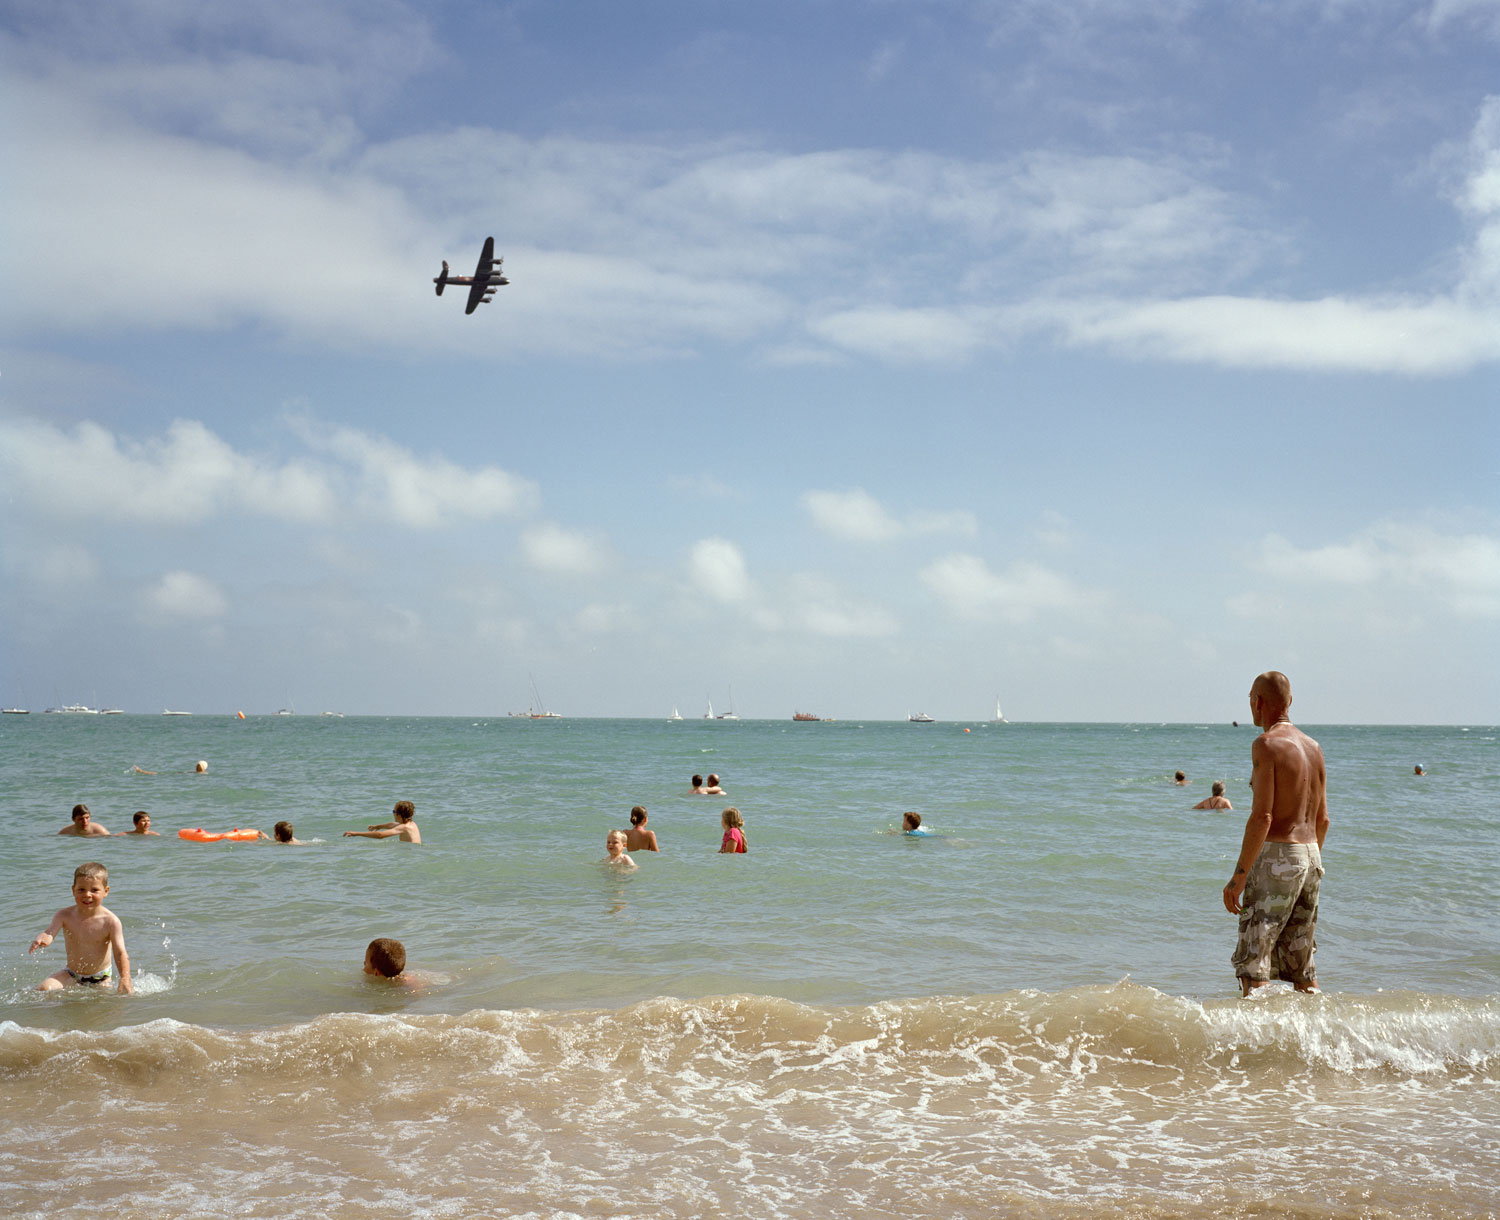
[638, 815]
[142, 819]
[283, 832]
[404, 811]
[732, 818]
[910, 820]
[385, 958]
[91, 869]
[614, 842]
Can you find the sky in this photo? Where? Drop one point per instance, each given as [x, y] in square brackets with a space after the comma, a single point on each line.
[860, 357]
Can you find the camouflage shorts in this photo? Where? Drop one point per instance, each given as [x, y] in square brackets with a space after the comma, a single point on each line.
[1279, 915]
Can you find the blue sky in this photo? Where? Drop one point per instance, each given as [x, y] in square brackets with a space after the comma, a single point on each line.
[862, 358]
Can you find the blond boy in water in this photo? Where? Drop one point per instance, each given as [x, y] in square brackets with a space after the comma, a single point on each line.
[95, 940]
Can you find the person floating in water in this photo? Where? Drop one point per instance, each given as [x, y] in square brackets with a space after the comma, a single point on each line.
[282, 833]
[1181, 780]
[1217, 801]
[94, 937]
[911, 824]
[83, 824]
[697, 788]
[142, 822]
[712, 787]
[614, 847]
[734, 832]
[404, 827]
[638, 838]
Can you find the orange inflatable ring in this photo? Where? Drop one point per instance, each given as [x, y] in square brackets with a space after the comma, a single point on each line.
[199, 835]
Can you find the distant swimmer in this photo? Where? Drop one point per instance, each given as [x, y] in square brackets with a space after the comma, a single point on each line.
[142, 771]
[83, 824]
[911, 824]
[697, 788]
[93, 935]
[1217, 801]
[1181, 780]
[142, 822]
[201, 768]
[1417, 770]
[638, 838]
[734, 832]
[282, 833]
[1274, 890]
[712, 787]
[404, 827]
[614, 850]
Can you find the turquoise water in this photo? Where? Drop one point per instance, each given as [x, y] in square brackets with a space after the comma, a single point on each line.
[945, 989]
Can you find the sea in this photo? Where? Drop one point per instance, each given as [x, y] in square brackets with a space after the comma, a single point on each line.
[1029, 1012]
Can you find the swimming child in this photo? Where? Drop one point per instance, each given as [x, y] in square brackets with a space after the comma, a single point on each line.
[734, 832]
[697, 788]
[614, 844]
[93, 935]
[282, 833]
[638, 838]
[83, 824]
[142, 821]
[712, 787]
[911, 824]
[385, 958]
[404, 827]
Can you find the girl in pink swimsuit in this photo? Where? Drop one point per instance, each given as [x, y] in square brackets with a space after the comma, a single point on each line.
[734, 832]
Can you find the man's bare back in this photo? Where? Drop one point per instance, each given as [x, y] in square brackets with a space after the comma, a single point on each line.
[1288, 765]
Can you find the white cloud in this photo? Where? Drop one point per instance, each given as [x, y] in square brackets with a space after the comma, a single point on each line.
[551, 548]
[391, 482]
[1460, 572]
[187, 475]
[184, 595]
[859, 517]
[718, 567]
[970, 589]
[192, 475]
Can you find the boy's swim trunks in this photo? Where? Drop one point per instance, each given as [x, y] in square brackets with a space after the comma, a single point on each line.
[103, 977]
[1279, 915]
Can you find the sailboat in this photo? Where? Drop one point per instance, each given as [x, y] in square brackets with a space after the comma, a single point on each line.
[538, 710]
[676, 715]
[709, 715]
[729, 715]
[999, 715]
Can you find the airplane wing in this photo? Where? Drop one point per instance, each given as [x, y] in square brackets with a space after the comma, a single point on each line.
[487, 277]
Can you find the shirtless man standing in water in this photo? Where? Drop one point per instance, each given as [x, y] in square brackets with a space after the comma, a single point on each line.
[1280, 864]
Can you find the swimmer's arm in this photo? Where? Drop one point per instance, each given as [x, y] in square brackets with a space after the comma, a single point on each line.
[122, 959]
[381, 826]
[382, 832]
[46, 938]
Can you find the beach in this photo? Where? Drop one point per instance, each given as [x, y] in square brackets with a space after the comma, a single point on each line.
[1028, 1013]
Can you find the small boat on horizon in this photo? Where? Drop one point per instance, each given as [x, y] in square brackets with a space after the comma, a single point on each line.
[807, 716]
[169, 712]
[676, 715]
[919, 718]
[999, 715]
[74, 709]
[15, 711]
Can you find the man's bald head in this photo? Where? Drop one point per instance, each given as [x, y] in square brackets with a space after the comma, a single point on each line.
[1275, 689]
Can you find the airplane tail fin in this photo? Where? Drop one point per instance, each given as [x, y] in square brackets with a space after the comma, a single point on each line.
[442, 280]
